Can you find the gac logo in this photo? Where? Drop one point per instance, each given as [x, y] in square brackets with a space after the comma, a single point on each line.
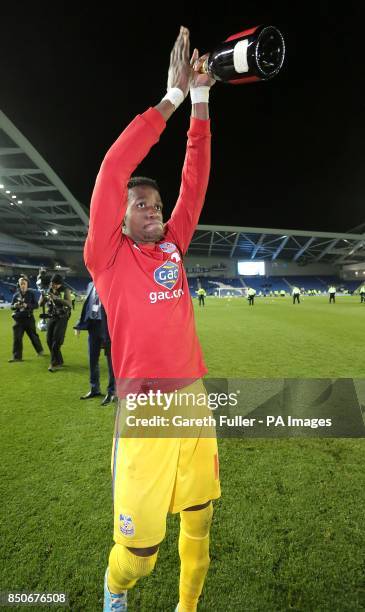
[167, 275]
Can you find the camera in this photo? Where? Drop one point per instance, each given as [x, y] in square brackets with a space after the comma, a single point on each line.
[21, 310]
[20, 303]
[44, 285]
[43, 280]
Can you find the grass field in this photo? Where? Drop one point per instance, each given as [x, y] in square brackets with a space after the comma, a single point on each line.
[288, 532]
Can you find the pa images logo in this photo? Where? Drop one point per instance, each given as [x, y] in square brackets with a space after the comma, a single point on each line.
[167, 275]
[126, 525]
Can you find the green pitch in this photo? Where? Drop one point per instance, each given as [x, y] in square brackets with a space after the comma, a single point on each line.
[288, 533]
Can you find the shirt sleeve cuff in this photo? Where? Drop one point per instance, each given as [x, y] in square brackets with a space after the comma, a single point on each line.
[200, 126]
[154, 118]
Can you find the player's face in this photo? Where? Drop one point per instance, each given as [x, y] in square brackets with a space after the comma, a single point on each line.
[143, 219]
[23, 285]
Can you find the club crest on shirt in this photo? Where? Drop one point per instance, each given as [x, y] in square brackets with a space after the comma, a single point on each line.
[168, 247]
[167, 275]
[126, 525]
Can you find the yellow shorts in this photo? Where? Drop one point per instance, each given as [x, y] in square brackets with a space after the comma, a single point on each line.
[154, 476]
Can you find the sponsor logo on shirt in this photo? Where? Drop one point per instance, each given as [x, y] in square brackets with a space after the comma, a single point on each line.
[157, 296]
[167, 275]
[168, 247]
[126, 525]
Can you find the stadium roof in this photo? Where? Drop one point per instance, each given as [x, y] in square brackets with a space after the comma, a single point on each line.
[262, 243]
[36, 206]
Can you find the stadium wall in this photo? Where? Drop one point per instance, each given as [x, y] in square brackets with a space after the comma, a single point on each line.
[210, 266]
[291, 268]
[353, 272]
[226, 267]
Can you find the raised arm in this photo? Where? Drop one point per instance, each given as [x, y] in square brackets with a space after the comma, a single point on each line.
[110, 195]
[195, 174]
[109, 198]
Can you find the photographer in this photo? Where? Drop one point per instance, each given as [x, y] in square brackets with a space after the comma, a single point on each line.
[58, 303]
[23, 304]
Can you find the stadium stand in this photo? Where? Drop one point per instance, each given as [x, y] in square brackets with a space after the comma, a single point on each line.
[77, 283]
[265, 285]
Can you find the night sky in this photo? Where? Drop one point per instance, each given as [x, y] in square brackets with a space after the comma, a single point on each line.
[286, 153]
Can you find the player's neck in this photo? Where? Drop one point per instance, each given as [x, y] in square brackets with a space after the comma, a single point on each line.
[149, 245]
[141, 243]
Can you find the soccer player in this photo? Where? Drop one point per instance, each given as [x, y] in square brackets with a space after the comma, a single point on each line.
[135, 261]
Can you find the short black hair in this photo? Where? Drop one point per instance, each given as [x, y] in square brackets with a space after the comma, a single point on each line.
[136, 181]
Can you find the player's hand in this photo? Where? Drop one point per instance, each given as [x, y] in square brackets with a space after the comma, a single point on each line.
[180, 69]
[199, 78]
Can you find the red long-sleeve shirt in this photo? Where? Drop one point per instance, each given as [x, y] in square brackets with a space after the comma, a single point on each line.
[145, 290]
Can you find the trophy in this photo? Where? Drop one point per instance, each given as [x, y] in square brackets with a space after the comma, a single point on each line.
[253, 55]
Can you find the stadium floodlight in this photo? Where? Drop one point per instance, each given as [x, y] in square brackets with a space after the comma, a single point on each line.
[54, 231]
[7, 191]
[20, 201]
[1, 186]
[13, 197]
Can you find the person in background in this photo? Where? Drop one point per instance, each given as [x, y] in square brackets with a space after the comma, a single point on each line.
[296, 295]
[93, 319]
[332, 294]
[58, 302]
[73, 299]
[23, 304]
[251, 296]
[202, 294]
